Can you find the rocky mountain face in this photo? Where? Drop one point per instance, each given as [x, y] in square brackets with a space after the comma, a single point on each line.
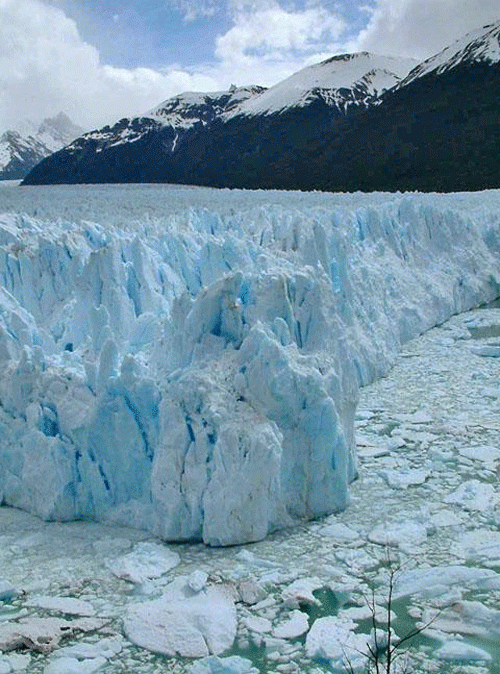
[355, 121]
[24, 147]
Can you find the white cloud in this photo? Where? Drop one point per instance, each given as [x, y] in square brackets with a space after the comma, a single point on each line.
[268, 42]
[421, 28]
[273, 33]
[45, 67]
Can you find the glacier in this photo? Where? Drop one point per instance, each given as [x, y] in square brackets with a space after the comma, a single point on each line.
[194, 371]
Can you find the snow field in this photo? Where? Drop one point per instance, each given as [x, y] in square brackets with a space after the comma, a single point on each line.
[150, 368]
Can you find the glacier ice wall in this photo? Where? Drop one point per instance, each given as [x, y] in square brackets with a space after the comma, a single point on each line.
[196, 375]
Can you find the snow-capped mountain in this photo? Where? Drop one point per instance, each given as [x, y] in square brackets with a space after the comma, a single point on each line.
[479, 46]
[28, 143]
[355, 121]
[136, 149]
[174, 117]
[342, 82]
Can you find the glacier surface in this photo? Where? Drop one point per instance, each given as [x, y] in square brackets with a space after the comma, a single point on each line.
[195, 373]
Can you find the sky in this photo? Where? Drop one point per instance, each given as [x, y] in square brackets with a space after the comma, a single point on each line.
[101, 60]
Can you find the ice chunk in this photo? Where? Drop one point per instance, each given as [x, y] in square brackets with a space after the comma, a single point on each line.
[334, 639]
[231, 665]
[43, 634]
[251, 592]
[399, 534]
[301, 592]
[193, 627]
[146, 561]
[7, 590]
[197, 580]
[402, 479]
[340, 532]
[296, 625]
[68, 605]
[480, 546]
[105, 648]
[474, 495]
[424, 580]
[257, 624]
[486, 453]
[462, 651]
[74, 666]
[466, 617]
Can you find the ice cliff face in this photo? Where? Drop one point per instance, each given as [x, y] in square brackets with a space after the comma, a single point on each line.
[197, 375]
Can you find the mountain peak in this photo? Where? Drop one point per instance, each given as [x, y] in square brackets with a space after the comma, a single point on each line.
[366, 73]
[480, 45]
[27, 143]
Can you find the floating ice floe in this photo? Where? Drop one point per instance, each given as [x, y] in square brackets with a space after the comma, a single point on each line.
[83, 658]
[257, 624]
[402, 479]
[334, 639]
[399, 534]
[67, 605]
[465, 617]
[183, 622]
[474, 495]
[146, 561]
[461, 651]
[230, 665]
[74, 666]
[488, 454]
[301, 592]
[338, 531]
[479, 546]
[43, 634]
[296, 624]
[440, 578]
[250, 591]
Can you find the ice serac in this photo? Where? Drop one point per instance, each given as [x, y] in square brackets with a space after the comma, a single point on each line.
[196, 375]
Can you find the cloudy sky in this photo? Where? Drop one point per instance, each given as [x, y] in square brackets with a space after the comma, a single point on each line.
[99, 60]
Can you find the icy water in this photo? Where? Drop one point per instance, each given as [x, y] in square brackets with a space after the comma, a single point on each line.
[427, 498]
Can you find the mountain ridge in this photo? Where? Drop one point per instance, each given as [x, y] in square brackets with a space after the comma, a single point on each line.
[431, 130]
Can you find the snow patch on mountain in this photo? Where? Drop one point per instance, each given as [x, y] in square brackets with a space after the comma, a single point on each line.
[196, 375]
[193, 107]
[340, 80]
